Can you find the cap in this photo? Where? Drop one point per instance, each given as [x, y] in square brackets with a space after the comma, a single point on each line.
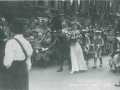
[85, 31]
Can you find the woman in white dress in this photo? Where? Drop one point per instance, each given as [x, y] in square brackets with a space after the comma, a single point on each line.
[77, 58]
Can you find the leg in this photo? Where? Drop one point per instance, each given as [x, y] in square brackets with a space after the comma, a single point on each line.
[44, 58]
[69, 63]
[61, 62]
[100, 57]
[67, 53]
[95, 60]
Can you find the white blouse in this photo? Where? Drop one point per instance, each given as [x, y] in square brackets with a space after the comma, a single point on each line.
[13, 51]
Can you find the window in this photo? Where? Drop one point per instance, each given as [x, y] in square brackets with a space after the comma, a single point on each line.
[51, 3]
[40, 3]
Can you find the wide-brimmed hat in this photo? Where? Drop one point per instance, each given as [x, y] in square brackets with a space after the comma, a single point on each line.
[85, 31]
[17, 27]
[97, 31]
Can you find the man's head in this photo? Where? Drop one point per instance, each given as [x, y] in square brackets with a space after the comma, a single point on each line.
[17, 27]
[98, 33]
[2, 21]
[64, 24]
[39, 35]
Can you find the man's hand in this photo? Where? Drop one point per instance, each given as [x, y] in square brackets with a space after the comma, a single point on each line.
[37, 51]
[44, 49]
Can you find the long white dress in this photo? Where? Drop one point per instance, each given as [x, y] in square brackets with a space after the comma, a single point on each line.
[77, 58]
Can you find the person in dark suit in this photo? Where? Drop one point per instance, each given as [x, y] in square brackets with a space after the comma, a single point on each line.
[64, 47]
[3, 39]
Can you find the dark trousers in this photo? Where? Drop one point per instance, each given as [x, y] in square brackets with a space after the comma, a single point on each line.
[65, 53]
[16, 77]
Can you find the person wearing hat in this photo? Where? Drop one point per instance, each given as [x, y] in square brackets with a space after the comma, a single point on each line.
[98, 43]
[64, 50]
[85, 44]
[17, 61]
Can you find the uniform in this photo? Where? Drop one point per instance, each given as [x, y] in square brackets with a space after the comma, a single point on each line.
[64, 49]
[98, 43]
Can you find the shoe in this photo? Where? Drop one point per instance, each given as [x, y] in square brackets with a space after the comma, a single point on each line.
[72, 72]
[117, 85]
[94, 67]
[60, 69]
[100, 65]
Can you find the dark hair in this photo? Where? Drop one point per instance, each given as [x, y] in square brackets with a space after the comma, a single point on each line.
[17, 27]
[26, 35]
[78, 25]
[48, 32]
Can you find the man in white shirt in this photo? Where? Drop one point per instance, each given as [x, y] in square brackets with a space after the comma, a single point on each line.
[18, 52]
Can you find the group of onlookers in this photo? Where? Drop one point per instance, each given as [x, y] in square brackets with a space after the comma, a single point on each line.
[38, 32]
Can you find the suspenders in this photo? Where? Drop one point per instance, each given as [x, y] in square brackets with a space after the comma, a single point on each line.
[23, 49]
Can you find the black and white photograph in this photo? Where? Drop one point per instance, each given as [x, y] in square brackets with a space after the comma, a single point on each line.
[59, 44]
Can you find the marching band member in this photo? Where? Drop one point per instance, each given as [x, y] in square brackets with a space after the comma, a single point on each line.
[98, 43]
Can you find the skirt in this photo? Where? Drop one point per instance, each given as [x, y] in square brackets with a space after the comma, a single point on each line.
[16, 77]
[77, 58]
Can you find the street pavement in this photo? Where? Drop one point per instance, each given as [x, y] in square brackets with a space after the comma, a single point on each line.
[101, 78]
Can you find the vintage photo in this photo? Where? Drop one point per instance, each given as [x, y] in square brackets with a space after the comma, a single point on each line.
[59, 44]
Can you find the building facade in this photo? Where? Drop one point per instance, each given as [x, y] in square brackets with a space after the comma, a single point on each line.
[97, 11]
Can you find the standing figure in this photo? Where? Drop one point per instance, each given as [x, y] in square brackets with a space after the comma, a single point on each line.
[3, 39]
[64, 50]
[111, 39]
[17, 61]
[98, 43]
[77, 58]
[86, 45]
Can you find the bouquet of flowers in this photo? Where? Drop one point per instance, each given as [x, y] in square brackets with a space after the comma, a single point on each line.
[73, 36]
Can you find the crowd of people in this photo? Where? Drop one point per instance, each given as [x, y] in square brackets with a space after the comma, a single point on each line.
[72, 41]
[48, 42]
[41, 36]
